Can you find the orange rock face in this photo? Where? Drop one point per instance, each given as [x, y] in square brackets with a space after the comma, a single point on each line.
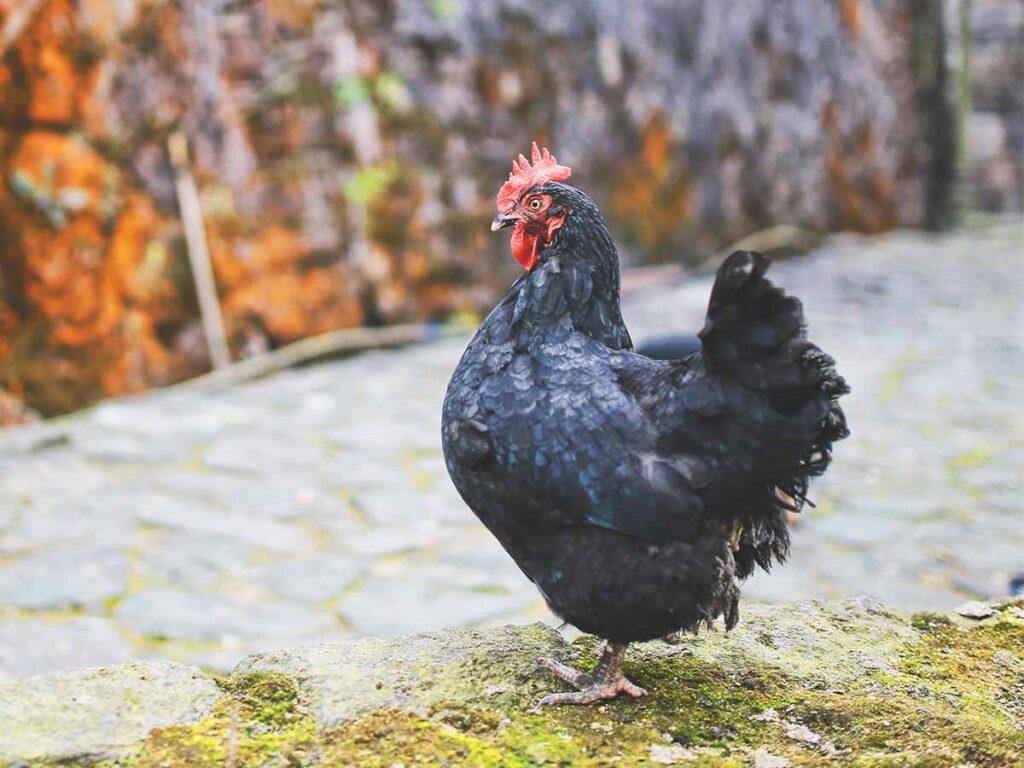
[271, 287]
[46, 48]
[95, 293]
[78, 243]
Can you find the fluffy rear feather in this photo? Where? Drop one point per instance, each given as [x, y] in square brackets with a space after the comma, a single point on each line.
[755, 335]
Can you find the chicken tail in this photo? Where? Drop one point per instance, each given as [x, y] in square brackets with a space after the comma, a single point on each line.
[747, 315]
[755, 335]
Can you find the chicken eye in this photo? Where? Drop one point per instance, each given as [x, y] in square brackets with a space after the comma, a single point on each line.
[535, 204]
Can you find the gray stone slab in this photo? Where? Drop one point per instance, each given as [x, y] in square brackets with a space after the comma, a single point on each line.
[58, 477]
[259, 454]
[474, 548]
[287, 493]
[178, 418]
[237, 524]
[359, 469]
[54, 520]
[31, 645]
[777, 586]
[310, 579]
[61, 578]
[195, 483]
[33, 439]
[98, 712]
[857, 531]
[443, 572]
[116, 447]
[385, 435]
[189, 559]
[383, 542]
[384, 606]
[282, 493]
[399, 506]
[206, 617]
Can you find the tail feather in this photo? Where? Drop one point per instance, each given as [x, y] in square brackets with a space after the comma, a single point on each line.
[747, 314]
[764, 540]
[831, 429]
[755, 335]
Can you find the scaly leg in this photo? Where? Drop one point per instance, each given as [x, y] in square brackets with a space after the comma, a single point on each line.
[607, 682]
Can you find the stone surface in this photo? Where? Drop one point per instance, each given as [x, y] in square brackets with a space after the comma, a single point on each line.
[389, 606]
[239, 524]
[98, 712]
[179, 614]
[975, 610]
[816, 644]
[30, 645]
[64, 578]
[819, 643]
[344, 680]
[350, 524]
[311, 579]
[809, 685]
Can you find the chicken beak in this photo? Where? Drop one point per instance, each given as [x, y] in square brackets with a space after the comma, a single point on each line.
[502, 222]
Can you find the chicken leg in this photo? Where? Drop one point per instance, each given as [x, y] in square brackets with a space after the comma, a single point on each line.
[606, 682]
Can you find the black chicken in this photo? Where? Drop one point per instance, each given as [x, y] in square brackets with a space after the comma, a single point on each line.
[635, 493]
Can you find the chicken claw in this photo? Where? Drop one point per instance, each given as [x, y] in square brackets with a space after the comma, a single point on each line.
[607, 682]
[576, 679]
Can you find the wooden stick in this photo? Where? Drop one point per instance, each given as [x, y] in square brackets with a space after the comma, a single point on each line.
[198, 254]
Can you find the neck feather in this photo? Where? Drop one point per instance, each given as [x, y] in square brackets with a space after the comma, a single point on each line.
[576, 281]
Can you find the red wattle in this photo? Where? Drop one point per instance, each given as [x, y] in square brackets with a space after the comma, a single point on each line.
[524, 246]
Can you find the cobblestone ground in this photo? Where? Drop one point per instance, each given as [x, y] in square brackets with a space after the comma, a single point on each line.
[201, 525]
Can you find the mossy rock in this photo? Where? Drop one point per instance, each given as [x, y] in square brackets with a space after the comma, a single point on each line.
[69, 716]
[810, 684]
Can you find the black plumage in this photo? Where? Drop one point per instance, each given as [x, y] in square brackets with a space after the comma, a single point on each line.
[636, 493]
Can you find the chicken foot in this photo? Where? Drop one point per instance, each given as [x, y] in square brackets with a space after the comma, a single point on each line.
[606, 682]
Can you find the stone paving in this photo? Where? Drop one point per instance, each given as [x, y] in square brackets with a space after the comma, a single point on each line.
[203, 524]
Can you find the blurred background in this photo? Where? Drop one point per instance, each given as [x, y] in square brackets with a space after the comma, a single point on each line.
[347, 153]
[192, 183]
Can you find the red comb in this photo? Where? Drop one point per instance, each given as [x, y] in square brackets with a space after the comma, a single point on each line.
[524, 175]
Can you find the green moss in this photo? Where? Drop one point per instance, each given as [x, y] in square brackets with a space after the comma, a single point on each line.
[690, 702]
[368, 184]
[929, 620]
[444, 9]
[388, 737]
[257, 723]
[267, 698]
[698, 704]
[351, 91]
[947, 705]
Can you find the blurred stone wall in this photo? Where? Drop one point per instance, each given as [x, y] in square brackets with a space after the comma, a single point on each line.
[348, 153]
[994, 129]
